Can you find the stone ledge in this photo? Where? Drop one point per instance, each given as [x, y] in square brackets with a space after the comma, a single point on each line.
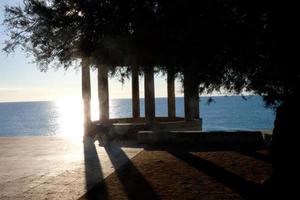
[201, 138]
[126, 129]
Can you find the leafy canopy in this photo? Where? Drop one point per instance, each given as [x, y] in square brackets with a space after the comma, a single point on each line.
[228, 44]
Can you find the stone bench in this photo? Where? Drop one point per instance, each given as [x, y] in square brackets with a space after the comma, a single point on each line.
[247, 138]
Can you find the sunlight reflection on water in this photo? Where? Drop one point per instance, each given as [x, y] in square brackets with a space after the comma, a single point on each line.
[70, 118]
[70, 114]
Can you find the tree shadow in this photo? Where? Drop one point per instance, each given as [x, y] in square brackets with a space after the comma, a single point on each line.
[93, 171]
[134, 183]
[246, 189]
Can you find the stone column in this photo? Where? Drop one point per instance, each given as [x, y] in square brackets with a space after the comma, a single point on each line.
[103, 94]
[86, 94]
[135, 93]
[191, 98]
[149, 94]
[171, 95]
[197, 107]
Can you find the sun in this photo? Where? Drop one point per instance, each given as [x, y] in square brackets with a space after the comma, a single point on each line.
[70, 118]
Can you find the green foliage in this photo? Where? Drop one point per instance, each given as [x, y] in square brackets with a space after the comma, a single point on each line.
[63, 30]
[226, 44]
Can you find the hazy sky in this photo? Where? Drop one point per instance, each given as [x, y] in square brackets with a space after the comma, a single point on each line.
[20, 79]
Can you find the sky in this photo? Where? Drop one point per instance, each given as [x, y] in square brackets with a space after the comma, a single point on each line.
[21, 80]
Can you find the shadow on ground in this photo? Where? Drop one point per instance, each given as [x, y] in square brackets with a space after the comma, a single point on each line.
[136, 186]
[93, 170]
[244, 188]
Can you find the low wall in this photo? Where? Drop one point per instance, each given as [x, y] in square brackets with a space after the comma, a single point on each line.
[138, 120]
[129, 128]
[245, 138]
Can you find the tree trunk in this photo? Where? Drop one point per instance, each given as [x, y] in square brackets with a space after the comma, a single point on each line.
[284, 151]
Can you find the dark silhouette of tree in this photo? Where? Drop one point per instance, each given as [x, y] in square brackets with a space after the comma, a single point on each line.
[61, 31]
[230, 44]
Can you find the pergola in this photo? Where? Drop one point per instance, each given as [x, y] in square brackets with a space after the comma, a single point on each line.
[191, 120]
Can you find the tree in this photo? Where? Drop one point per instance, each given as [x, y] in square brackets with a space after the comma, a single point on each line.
[231, 44]
[277, 79]
[59, 32]
[249, 45]
[253, 51]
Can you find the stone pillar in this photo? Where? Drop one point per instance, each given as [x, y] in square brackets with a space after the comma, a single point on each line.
[86, 95]
[135, 93]
[197, 106]
[103, 94]
[171, 95]
[191, 98]
[149, 94]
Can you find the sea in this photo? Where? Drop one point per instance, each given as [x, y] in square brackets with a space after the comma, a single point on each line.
[64, 118]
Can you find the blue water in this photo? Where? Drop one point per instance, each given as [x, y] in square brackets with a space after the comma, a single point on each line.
[51, 118]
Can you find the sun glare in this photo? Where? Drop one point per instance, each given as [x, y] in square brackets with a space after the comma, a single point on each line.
[71, 117]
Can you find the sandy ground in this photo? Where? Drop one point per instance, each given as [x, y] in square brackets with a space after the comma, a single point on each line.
[184, 174]
[54, 167]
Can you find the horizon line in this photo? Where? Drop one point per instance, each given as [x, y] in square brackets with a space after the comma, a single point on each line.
[125, 98]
